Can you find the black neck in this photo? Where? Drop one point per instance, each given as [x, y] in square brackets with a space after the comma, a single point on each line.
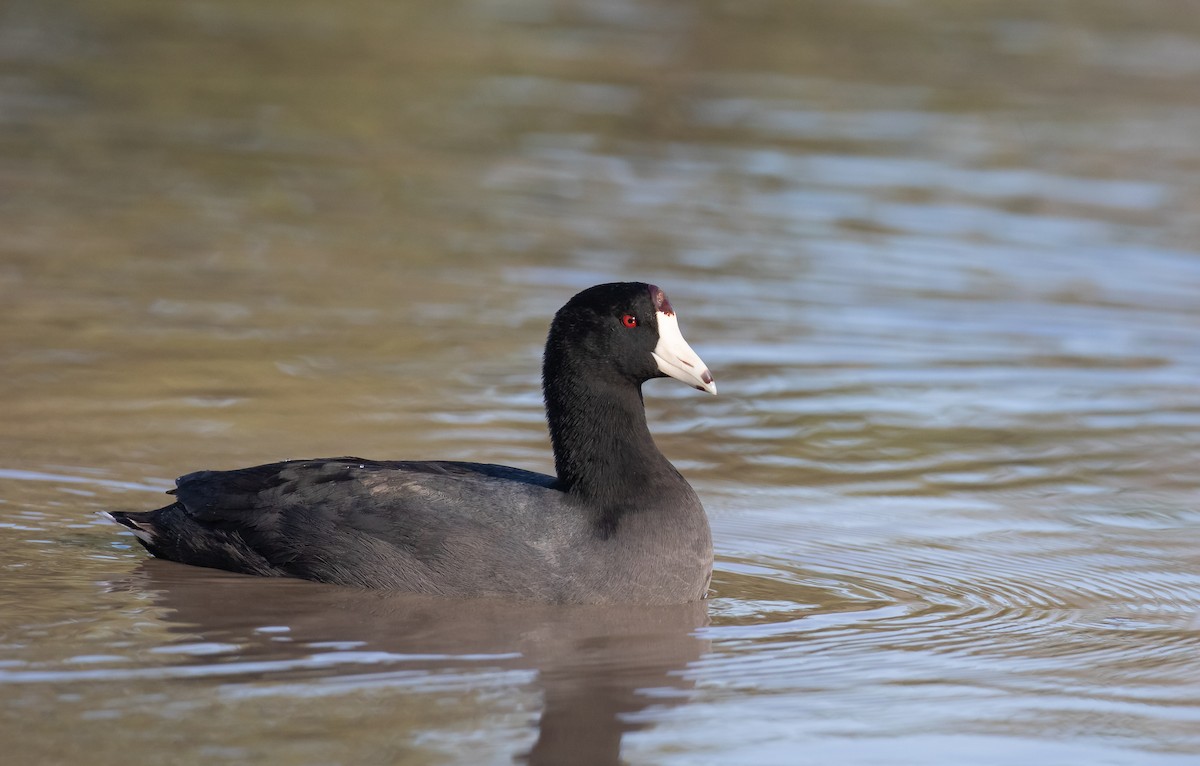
[603, 452]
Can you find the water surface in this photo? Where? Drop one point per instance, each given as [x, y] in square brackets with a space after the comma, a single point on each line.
[941, 258]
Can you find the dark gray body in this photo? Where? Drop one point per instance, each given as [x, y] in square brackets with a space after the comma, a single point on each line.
[453, 529]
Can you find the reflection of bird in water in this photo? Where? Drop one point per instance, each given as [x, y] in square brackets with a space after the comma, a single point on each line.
[593, 663]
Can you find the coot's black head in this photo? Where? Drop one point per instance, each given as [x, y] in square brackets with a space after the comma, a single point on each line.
[622, 333]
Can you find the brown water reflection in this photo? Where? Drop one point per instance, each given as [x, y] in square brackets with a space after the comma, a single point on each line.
[941, 255]
[596, 669]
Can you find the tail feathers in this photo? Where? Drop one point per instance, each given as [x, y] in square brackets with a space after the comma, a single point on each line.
[141, 529]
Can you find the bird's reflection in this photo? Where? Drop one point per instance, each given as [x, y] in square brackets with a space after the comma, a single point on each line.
[594, 664]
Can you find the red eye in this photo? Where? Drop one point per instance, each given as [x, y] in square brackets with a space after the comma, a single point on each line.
[629, 320]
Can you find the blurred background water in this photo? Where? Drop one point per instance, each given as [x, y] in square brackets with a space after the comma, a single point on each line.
[940, 256]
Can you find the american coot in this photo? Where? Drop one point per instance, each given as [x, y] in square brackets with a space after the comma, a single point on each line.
[618, 524]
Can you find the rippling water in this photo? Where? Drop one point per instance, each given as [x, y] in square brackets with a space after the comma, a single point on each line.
[941, 258]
